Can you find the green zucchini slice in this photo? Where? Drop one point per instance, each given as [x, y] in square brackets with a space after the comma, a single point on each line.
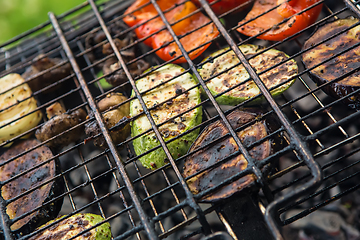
[70, 227]
[233, 76]
[163, 112]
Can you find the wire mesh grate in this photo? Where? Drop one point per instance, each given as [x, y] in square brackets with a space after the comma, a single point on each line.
[319, 138]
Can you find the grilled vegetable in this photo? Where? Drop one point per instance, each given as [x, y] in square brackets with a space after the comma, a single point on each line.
[140, 12]
[71, 226]
[117, 75]
[165, 111]
[288, 11]
[213, 153]
[115, 117]
[38, 77]
[60, 121]
[30, 180]
[98, 50]
[111, 66]
[337, 67]
[222, 6]
[237, 75]
[15, 102]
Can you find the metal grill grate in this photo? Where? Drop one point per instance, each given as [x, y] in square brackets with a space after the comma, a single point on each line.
[317, 164]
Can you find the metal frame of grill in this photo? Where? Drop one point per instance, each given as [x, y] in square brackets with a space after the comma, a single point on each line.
[66, 39]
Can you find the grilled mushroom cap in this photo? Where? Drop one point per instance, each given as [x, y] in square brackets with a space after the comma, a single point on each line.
[214, 153]
[336, 68]
[40, 78]
[117, 116]
[59, 122]
[30, 180]
[99, 51]
[117, 74]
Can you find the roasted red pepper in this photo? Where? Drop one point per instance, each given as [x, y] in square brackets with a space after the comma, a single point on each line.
[145, 11]
[222, 6]
[271, 20]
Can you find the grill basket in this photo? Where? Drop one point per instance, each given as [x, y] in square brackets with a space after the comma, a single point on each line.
[316, 166]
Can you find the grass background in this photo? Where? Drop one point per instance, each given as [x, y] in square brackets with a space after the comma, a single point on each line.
[17, 16]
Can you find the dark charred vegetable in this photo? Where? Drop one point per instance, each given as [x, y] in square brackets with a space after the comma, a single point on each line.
[222, 61]
[40, 80]
[59, 122]
[71, 226]
[30, 180]
[117, 116]
[337, 67]
[214, 153]
[169, 108]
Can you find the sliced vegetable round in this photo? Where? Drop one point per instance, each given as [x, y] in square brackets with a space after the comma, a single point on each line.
[30, 180]
[15, 102]
[224, 62]
[71, 226]
[337, 67]
[165, 111]
[213, 153]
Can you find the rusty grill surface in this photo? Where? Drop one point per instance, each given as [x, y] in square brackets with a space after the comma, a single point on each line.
[317, 165]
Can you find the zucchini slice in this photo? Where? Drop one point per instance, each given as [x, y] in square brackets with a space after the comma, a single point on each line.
[175, 107]
[70, 227]
[221, 149]
[233, 76]
[338, 66]
[30, 180]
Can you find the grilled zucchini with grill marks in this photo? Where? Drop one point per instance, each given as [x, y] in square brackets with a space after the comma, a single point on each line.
[70, 227]
[232, 76]
[30, 180]
[337, 67]
[169, 108]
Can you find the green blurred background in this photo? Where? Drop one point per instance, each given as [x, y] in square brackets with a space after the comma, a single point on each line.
[17, 16]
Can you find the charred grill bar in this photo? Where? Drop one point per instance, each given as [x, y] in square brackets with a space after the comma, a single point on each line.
[315, 166]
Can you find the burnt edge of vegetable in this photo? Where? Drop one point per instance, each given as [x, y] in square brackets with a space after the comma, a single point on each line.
[336, 89]
[243, 185]
[53, 189]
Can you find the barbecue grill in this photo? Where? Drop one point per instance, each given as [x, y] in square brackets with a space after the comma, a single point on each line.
[316, 165]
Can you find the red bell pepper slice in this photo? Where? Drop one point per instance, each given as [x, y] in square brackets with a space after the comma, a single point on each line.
[222, 6]
[188, 23]
[190, 42]
[271, 20]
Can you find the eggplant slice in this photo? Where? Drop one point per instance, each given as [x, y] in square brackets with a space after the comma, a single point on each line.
[335, 69]
[30, 180]
[214, 153]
